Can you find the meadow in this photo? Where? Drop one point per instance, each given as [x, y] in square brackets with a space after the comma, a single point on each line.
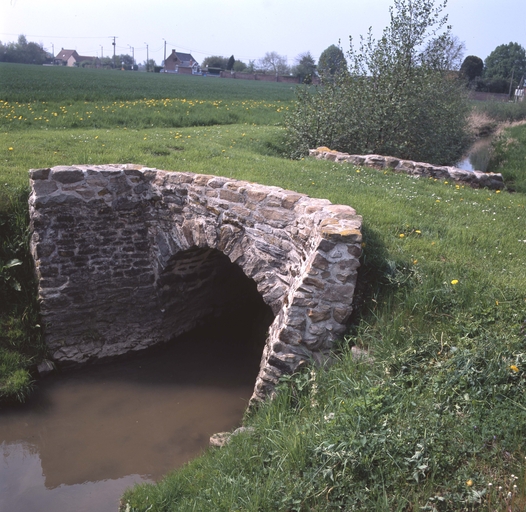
[433, 419]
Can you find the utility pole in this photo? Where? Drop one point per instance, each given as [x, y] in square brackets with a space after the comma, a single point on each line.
[164, 62]
[114, 46]
[133, 55]
[147, 60]
[101, 53]
[511, 83]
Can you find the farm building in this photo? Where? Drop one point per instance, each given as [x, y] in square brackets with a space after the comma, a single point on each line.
[72, 58]
[178, 62]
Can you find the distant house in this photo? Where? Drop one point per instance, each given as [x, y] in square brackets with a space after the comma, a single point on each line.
[178, 62]
[72, 58]
[519, 92]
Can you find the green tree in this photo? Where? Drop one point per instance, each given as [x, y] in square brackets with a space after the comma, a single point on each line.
[332, 61]
[215, 61]
[505, 60]
[305, 67]
[471, 68]
[23, 52]
[394, 101]
[239, 66]
[125, 60]
[149, 65]
[230, 63]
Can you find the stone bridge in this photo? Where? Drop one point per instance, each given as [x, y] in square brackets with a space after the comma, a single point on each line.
[127, 257]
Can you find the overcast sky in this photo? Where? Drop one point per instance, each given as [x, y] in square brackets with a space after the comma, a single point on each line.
[246, 29]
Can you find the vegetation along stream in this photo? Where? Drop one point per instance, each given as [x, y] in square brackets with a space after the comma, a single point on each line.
[88, 433]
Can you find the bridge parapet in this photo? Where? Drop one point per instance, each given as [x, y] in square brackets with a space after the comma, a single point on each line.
[128, 257]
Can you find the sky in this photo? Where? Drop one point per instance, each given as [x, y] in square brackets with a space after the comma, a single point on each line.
[246, 29]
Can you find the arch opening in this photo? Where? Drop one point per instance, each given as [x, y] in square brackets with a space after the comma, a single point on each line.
[202, 291]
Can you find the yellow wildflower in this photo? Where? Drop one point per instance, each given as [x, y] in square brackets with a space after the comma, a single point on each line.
[514, 368]
[469, 483]
[454, 282]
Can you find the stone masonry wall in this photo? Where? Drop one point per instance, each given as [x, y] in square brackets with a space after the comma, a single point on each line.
[127, 257]
[417, 169]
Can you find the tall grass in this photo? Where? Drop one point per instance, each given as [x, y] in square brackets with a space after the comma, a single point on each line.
[432, 416]
[20, 342]
[508, 155]
[501, 112]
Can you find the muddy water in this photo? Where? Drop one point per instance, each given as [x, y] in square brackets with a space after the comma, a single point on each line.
[89, 433]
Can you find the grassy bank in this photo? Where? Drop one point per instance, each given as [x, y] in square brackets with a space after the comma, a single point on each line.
[508, 155]
[433, 416]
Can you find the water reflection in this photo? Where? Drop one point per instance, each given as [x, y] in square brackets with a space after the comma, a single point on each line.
[88, 434]
[22, 486]
[478, 156]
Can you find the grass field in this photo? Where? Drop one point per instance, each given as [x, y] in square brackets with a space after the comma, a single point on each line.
[435, 420]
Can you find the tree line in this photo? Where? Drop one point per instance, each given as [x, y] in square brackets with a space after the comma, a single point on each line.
[503, 67]
[24, 52]
[500, 72]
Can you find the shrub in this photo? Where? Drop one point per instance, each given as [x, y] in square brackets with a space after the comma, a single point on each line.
[396, 100]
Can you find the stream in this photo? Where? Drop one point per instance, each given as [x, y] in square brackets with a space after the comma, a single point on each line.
[88, 433]
[478, 156]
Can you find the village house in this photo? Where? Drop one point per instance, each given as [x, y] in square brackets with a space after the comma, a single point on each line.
[519, 91]
[178, 62]
[72, 58]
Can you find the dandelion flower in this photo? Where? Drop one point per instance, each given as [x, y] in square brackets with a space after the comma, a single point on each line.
[514, 368]
[469, 483]
[418, 231]
[10, 149]
[454, 282]
[401, 235]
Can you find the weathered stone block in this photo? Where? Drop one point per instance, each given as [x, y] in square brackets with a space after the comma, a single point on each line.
[129, 256]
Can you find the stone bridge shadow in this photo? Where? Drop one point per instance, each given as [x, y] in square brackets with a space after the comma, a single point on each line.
[129, 257]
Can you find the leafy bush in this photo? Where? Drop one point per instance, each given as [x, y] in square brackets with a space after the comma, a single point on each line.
[396, 100]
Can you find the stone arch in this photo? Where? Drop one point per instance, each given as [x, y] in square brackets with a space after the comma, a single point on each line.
[107, 240]
[199, 284]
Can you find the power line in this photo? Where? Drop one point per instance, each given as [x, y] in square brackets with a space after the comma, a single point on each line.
[54, 37]
[202, 52]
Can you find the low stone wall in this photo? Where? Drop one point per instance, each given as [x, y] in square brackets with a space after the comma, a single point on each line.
[127, 257]
[418, 169]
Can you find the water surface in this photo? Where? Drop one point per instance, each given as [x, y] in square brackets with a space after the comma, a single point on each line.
[88, 433]
[478, 156]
